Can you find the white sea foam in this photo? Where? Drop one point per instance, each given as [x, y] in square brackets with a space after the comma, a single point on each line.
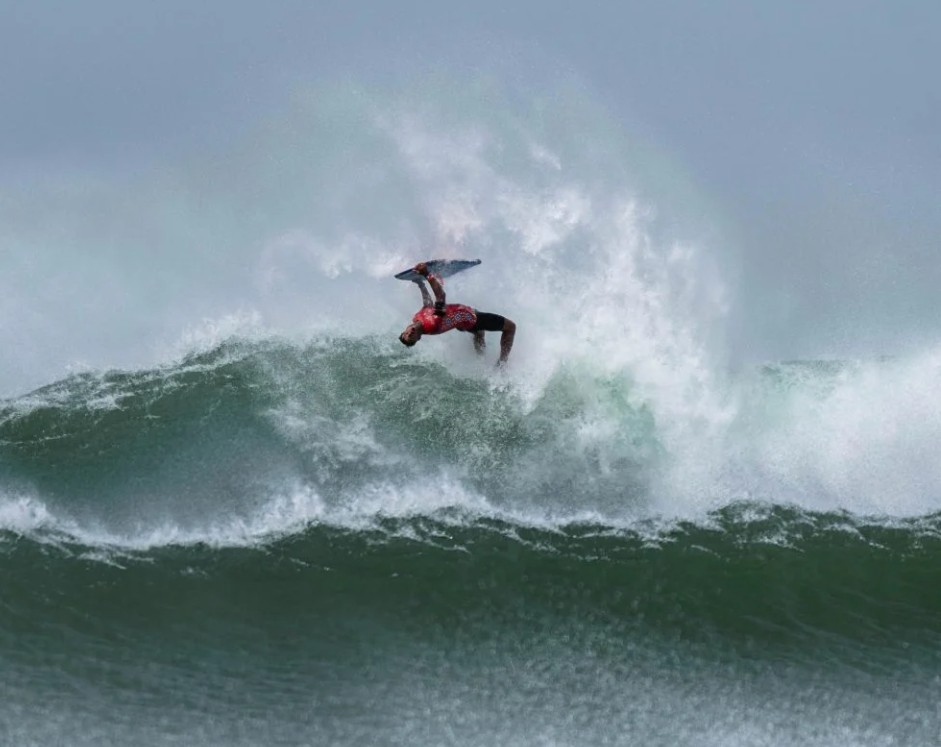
[866, 443]
[24, 514]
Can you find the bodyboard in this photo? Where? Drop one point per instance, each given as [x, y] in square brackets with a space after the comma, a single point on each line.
[443, 268]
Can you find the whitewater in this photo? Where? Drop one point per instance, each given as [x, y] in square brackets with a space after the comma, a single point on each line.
[235, 510]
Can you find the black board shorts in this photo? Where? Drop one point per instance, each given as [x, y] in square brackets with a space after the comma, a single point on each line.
[488, 322]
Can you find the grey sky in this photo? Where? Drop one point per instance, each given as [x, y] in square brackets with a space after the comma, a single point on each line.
[812, 125]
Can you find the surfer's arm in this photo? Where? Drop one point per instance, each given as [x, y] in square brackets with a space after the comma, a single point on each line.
[425, 295]
[435, 282]
[437, 287]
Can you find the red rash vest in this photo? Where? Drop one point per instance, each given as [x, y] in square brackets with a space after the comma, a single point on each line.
[456, 316]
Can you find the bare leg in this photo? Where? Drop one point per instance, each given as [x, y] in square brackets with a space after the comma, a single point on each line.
[506, 340]
[479, 344]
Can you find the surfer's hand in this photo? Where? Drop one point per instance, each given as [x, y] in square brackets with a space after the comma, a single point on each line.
[422, 269]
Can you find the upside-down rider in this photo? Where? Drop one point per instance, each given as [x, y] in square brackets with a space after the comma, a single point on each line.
[437, 317]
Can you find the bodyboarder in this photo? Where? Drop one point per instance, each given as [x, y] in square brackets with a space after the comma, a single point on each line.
[437, 317]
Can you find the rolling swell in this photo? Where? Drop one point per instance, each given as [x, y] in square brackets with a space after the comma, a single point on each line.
[777, 577]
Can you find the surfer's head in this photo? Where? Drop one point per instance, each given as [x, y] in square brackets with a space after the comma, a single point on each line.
[411, 335]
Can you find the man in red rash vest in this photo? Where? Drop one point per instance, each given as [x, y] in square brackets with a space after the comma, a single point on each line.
[436, 317]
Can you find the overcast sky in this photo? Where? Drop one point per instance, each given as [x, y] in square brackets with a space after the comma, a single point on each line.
[813, 126]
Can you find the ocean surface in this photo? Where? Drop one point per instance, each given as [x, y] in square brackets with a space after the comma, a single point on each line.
[338, 542]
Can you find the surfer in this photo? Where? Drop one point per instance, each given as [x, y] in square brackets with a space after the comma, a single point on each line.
[437, 317]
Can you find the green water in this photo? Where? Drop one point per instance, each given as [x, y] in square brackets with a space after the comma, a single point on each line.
[213, 553]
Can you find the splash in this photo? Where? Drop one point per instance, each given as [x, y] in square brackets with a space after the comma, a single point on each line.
[617, 405]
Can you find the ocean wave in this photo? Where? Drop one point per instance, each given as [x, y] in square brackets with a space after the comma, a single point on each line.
[774, 575]
[256, 438]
